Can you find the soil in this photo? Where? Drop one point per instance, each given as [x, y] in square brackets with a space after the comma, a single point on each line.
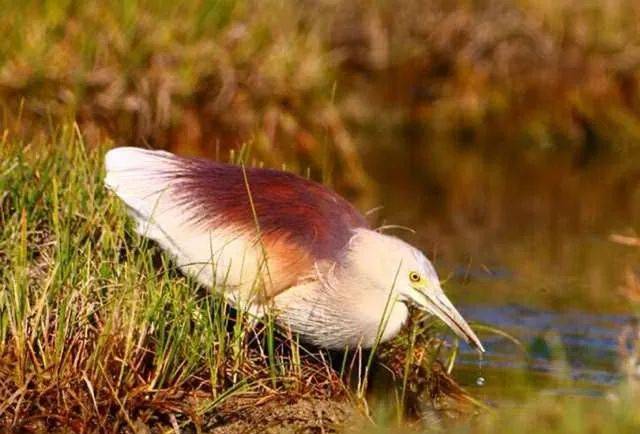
[304, 415]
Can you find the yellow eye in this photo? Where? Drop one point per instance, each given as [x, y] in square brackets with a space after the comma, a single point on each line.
[414, 277]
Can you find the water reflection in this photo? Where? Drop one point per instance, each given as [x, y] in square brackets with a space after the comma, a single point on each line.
[567, 352]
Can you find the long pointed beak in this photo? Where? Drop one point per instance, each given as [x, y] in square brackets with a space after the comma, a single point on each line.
[439, 305]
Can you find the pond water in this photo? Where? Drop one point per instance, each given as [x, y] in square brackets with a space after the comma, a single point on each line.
[566, 309]
[565, 352]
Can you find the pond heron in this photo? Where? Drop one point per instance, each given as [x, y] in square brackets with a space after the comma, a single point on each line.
[272, 241]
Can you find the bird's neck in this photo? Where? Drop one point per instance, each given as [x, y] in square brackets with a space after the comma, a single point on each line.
[377, 308]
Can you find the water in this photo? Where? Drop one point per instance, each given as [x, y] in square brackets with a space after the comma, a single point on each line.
[559, 295]
[565, 352]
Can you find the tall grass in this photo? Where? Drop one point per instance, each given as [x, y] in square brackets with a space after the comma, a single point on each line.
[97, 329]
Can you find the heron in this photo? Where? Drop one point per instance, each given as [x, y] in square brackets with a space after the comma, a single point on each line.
[274, 242]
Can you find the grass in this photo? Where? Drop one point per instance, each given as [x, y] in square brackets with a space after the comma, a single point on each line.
[98, 330]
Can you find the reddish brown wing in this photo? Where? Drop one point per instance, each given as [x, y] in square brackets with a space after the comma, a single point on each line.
[201, 213]
[304, 213]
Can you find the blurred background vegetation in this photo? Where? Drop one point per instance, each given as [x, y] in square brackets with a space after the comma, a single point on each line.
[473, 112]
[473, 121]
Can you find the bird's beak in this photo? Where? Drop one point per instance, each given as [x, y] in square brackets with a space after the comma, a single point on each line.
[439, 305]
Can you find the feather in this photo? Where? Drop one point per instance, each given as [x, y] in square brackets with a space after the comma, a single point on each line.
[232, 227]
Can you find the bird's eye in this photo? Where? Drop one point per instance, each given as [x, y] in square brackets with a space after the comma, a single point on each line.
[414, 277]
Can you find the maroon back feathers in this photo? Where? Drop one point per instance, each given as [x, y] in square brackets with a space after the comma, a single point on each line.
[302, 211]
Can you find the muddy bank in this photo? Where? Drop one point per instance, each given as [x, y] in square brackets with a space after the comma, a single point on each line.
[304, 415]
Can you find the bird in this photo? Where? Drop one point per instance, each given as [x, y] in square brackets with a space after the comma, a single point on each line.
[272, 242]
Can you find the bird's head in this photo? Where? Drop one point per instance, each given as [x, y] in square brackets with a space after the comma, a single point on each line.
[393, 264]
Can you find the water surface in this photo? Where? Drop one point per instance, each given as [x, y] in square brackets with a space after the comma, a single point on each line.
[565, 352]
[560, 296]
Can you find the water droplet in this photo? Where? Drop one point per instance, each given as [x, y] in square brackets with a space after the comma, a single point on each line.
[480, 380]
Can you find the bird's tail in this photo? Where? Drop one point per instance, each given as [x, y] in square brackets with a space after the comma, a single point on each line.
[143, 180]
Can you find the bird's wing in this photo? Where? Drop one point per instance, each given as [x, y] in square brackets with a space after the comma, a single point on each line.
[221, 221]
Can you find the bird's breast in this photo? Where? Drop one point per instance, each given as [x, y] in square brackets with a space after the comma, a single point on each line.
[335, 322]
